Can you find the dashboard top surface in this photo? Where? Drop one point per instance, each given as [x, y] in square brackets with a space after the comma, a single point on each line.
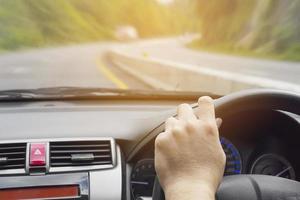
[125, 120]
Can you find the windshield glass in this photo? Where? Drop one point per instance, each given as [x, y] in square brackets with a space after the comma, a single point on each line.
[216, 46]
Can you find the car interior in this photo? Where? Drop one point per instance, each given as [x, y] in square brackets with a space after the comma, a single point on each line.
[104, 148]
[149, 100]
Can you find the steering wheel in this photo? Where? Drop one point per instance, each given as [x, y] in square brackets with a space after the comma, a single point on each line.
[253, 187]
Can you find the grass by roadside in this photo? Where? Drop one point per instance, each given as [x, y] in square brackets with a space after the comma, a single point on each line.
[291, 54]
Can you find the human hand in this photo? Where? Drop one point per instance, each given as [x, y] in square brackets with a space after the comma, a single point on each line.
[189, 158]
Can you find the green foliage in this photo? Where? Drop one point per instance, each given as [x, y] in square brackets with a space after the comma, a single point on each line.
[34, 23]
[15, 29]
[263, 27]
[223, 20]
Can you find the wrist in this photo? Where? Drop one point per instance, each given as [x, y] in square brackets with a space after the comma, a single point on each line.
[189, 190]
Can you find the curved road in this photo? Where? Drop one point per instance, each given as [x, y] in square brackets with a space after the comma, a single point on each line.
[85, 66]
[174, 50]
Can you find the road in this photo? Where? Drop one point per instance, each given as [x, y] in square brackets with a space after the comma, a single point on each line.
[78, 65]
[84, 66]
[175, 51]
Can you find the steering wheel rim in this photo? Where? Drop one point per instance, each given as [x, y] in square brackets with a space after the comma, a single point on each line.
[242, 101]
[258, 99]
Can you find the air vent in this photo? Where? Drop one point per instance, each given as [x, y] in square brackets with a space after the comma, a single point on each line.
[80, 153]
[12, 156]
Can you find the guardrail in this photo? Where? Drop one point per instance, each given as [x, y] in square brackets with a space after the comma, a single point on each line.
[166, 75]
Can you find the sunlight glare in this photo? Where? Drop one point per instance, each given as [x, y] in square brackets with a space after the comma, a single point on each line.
[165, 1]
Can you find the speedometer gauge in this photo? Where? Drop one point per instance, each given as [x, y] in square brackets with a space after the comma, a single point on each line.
[273, 165]
[233, 158]
[142, 178]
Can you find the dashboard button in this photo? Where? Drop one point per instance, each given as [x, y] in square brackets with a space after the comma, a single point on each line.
[37, 154]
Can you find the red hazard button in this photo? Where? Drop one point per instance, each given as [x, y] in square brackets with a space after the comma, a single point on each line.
[37, 154]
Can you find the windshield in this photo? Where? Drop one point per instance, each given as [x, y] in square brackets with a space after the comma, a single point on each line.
[216, 46]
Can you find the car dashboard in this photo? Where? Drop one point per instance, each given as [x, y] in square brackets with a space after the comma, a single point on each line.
[98, 149]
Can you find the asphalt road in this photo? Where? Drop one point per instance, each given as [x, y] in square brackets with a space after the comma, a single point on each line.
[84, 66]
[51, 67]
[174, 50]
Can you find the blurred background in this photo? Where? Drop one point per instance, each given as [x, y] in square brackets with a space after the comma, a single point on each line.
[268, 30]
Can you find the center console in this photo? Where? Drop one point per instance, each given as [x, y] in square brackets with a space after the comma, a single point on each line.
[87, 168]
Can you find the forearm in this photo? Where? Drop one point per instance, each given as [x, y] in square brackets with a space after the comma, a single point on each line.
[190, 191]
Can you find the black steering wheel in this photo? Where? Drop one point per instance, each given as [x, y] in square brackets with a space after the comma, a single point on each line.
[253, 187]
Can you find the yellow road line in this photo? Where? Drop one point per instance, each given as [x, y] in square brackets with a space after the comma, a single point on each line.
[110, 75]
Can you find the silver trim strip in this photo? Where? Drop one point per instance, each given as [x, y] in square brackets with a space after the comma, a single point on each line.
[12, 172]
[48, 158]
[27, 158]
